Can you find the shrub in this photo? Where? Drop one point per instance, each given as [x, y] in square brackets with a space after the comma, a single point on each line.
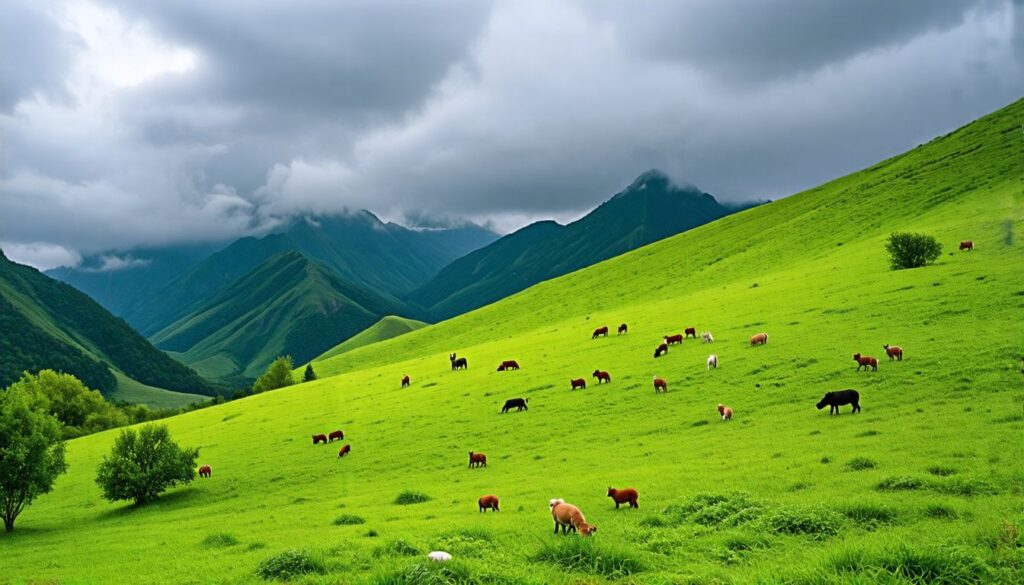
[907, 250]
[220, 539]
[812, 522]
[859, 464]
[348, 520]
[587, 556]
[278, 375]
[900, 483]
[410, 497]
[288, 564]
[143, 464]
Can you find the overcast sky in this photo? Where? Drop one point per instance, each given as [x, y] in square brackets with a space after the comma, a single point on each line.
[126, 123]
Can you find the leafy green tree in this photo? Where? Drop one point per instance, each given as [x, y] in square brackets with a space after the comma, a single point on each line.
[31, 451]
[908, 250]
[278, 375]
[79, 409]
[310, 375]
[143, 464]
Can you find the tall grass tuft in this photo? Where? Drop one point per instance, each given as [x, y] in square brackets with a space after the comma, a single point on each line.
[585, 555]
[410, 497]
[289, 564]
[859, 464]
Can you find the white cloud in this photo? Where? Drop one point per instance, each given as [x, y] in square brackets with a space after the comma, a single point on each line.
[40, 255]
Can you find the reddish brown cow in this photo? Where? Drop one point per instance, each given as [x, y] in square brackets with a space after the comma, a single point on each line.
[319, 439]
[205, 471]
[725, 411]
[600, 332]
[660, 385]
[602, 376]
[673, 339]
[344, 451]
[624, 496]
[508, 365]
[623, 329]
[488, 502]
[579, 383]
[894, 352]
[966, 245]
[759, 339]
[661, 350]
[477, 459]
[335, 436]
[865, 361]
[405, 381]
[691, 332]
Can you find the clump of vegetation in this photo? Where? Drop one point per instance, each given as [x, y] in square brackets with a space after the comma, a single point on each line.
[932, 565]
[288, 564]
[941, 471]
[811, 522]
[451, 573]
[349, 520]
[897, 483]
[587, 556]
[907, 250]
[652, 522]
[716, 509]
[278, 375]
[965, 486]
[868, 515]
[220, 540]
[396, 548]
[81, 411]
[410, 497]
[941, 512]
[859, 464]
[143, 464]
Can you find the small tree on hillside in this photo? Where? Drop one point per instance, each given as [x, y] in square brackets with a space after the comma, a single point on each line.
[80, 410]
[310, 375]
[143, 464]
[31, 452]
[278, 375]
[908, 250]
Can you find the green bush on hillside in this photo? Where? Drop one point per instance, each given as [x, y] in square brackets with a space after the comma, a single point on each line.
[907, 250]
[143, 464]
[309, 375]
[410, 497]
[80, 410]
[278, 375]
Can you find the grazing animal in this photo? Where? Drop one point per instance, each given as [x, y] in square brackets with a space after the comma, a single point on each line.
[759, 339]
[838, 398]
[205, 471]
[708, 338]
[602, 376]
[673, 339]
[865, 361]
[439, 556]
[661, 350]
[405, 381]
[966, 245]
[725, 411]
[569, 518]
[600, 332]
[335, 436]
[894, 352]
[691, 332]
[713, 361]
[344, 451]
[624, 496]
[319, 439]
[517, 403]
[660, 385]
[477, 459]
[508, 365]
[579, 383]
[458, 363]
[488, 502]
[623, 329]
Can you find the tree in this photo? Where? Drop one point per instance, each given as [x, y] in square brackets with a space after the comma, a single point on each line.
[80, 410]
[143, 464]
[310, 375]
[278, 375]
[908, 250]
[31, 451]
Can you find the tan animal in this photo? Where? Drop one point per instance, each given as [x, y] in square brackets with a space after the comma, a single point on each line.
[725, 411]
[759, 339]
[569, 518]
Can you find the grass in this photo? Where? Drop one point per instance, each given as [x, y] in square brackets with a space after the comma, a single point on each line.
[135, 392]
[387, 328]
[704, 490]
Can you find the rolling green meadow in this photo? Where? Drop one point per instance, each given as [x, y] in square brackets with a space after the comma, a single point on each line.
[926, 484]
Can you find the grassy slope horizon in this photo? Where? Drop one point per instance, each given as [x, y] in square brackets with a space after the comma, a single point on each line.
[809, 269]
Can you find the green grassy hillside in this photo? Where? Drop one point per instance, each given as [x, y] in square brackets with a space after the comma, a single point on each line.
[133, 392]
[924, 485]
[386, 328]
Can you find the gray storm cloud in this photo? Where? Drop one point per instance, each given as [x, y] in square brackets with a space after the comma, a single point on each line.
[130, 123]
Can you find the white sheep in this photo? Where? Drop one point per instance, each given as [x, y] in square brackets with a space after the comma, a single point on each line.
[439, 556]
[712, 361]
[708, 338]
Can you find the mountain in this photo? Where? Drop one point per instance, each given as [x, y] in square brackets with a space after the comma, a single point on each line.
[650, 209]
[387, 328]
[286, 305]
[45, 323]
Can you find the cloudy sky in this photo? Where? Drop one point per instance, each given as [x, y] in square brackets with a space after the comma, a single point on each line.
[127, 123]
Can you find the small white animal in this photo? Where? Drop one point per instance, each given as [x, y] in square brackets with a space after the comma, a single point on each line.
[439, 556]
[708, 338]
[712, 361]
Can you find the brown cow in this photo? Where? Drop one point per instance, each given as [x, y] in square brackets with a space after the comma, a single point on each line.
[578, 383]
[335, 436]
[894, 352]
[691, 332]
[966, 245]
[865, 362]
[623, 329]
[624, 496]
[205, 471]
[600, 332]
[673, 339]
[405, 381]
[488, 502]
[661, 350]
[759, 339]
[725, 411]
[569, 518]
[508, 365]
[319, 439]
[660, 384]
[344, 451]
[602, 376]
[477, 459]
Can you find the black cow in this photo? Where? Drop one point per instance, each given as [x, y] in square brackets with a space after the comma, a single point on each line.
[517, 403]
[839, 398]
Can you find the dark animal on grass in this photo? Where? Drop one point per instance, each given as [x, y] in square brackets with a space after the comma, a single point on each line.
[517, 403]
[405, 381]
[508, 365]
[691, 332]
[623, 329]
[624, 496]
[673, 339]
[570, 519]
[458, 363]
[834, 400]
[335, 436]
[660, 385]
[319, 439]
[759, 339]
[578, 383]
[344, 451]
[600, 332]
[865, 361]
[894, 352]
[602, 376]
[661, 350]
[477, 459]
[205, 471]
[966, 245]
[488, 502]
